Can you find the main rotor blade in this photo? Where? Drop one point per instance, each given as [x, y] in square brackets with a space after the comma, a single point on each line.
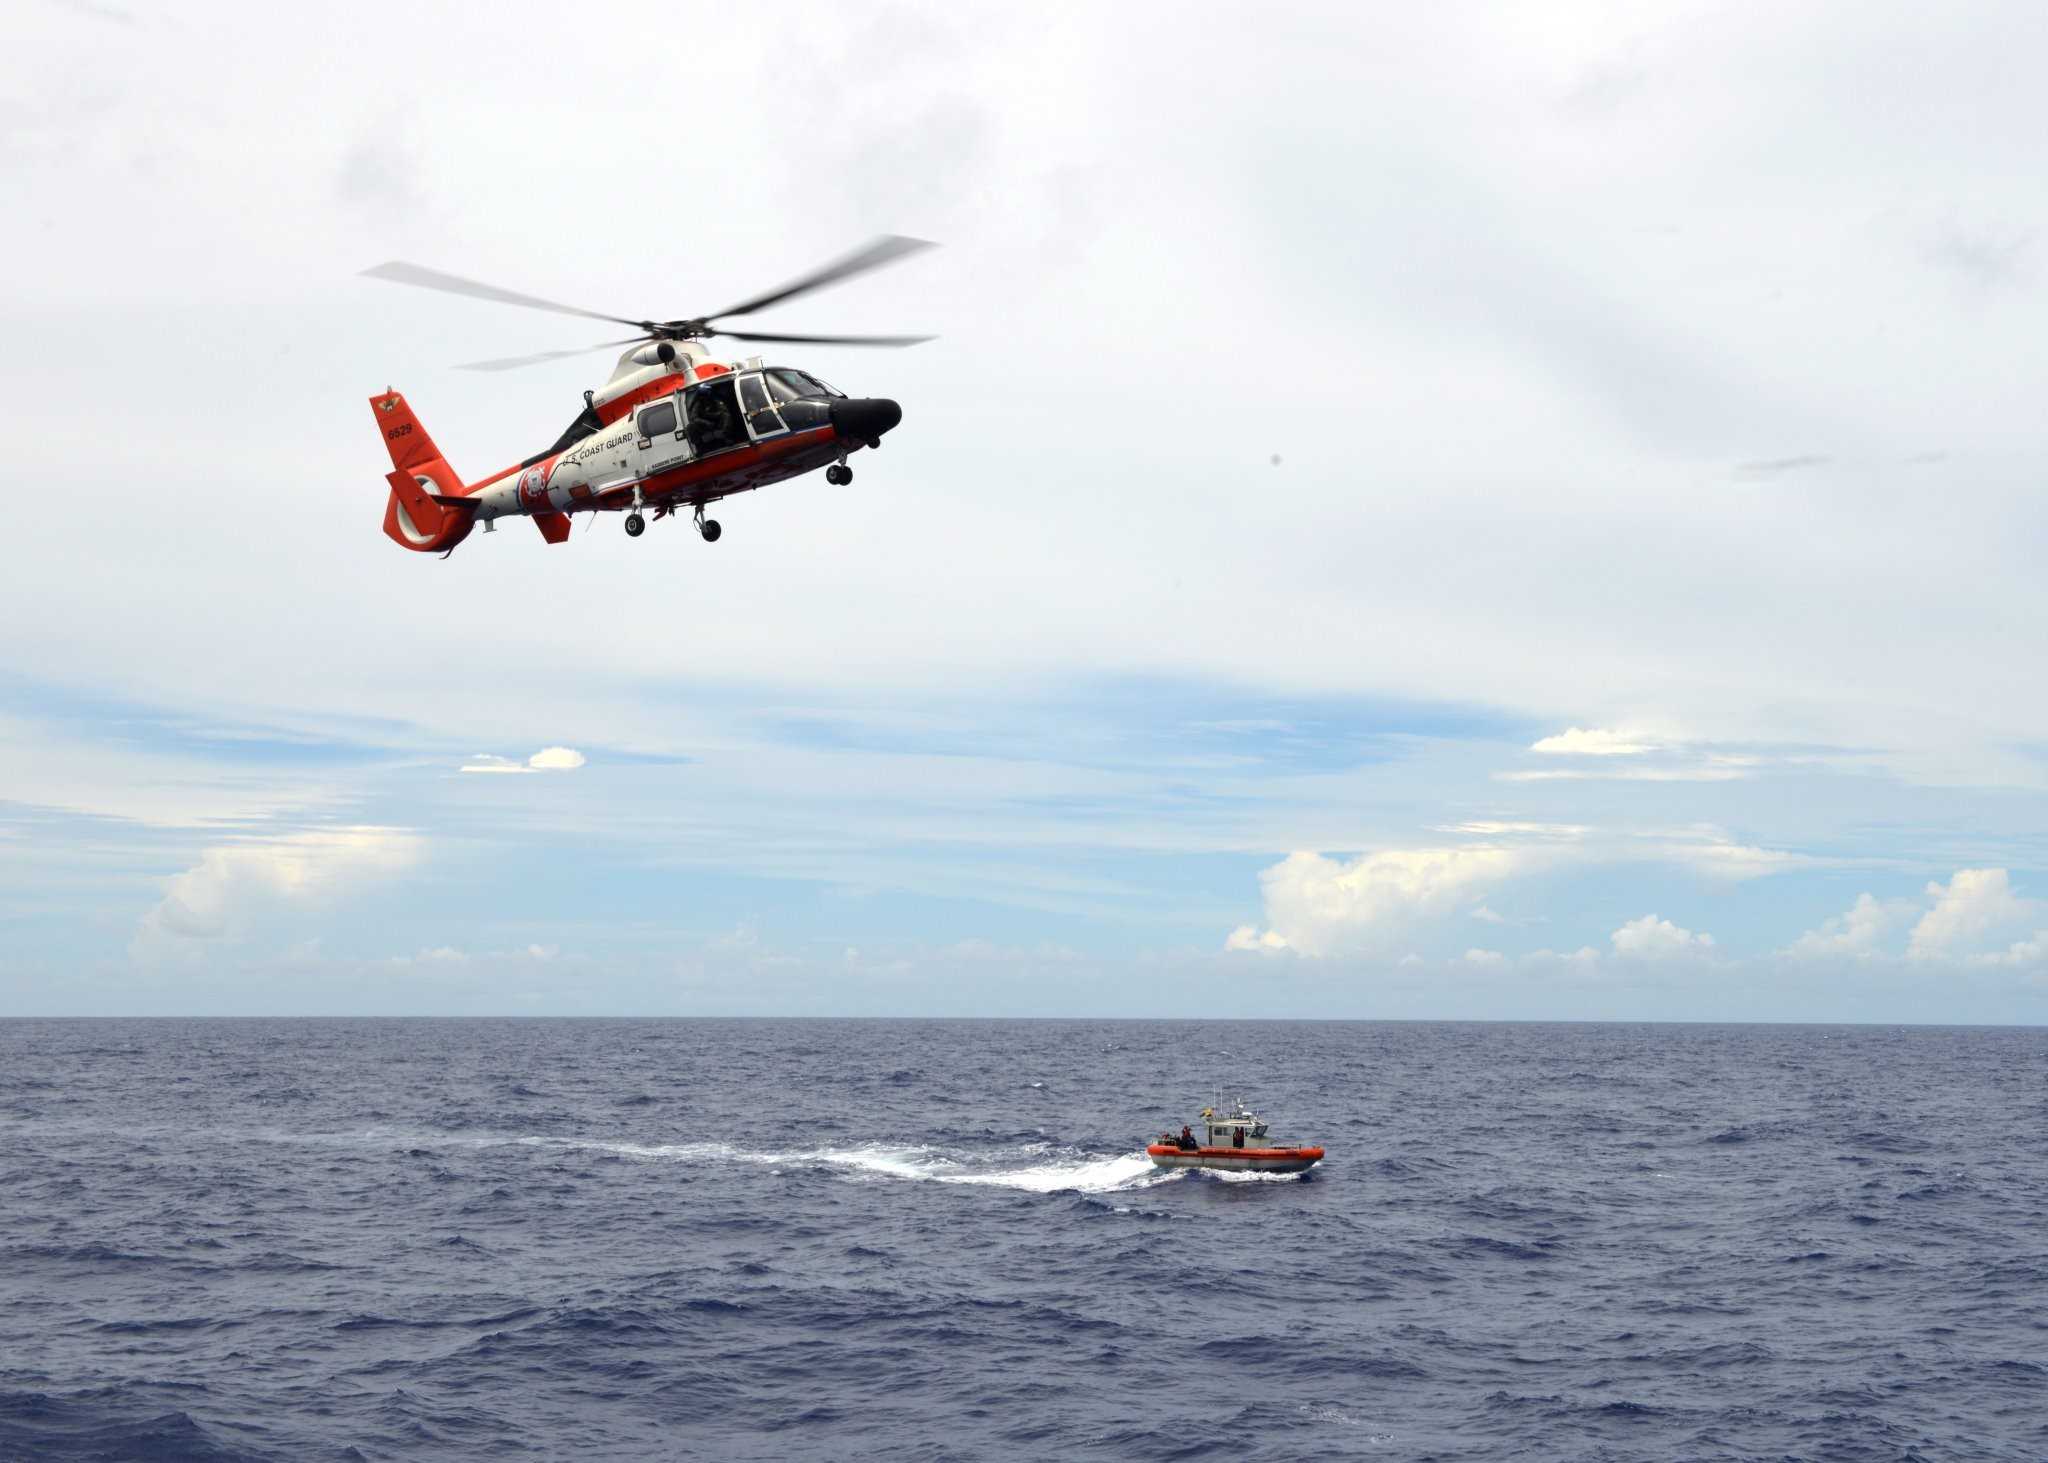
[873, 255]
[826, 339]
[513, 363]
[399, 272]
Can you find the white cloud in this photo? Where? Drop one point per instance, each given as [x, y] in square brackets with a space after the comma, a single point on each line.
[1488, 917]
[1495, 828]
[1855, 933]
[1485, 957]
[1974, 904]
[1651, 938]
[1625, 756]
[1709, 773]
[547, 759]
[2032, 951]
[449, 955]
[1714, 855]
[237, 881]
[1595, 742]
[1583, 958]
[1321, 906]
[1249, 937]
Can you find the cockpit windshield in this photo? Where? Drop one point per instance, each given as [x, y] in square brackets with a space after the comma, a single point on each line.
[788, 385]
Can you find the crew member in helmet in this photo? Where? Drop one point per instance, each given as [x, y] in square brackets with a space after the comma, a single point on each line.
[711, 421]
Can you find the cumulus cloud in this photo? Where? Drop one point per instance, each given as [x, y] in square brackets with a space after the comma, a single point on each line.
[238, 881]
[1973, 905]
[1651, 938]
[2032, 951]
[1857, 933]
[1976, 918]
[547, 759]
[1322, 906]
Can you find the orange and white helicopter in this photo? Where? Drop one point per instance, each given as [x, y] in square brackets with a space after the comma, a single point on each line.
[672, 428]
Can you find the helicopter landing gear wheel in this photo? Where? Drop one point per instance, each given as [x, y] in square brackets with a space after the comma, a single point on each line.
[710, 529]
[839, 474]
[635, 525]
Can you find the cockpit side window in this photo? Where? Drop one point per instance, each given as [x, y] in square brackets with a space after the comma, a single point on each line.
[761, 418]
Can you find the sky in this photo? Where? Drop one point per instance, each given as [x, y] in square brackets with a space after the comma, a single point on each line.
[1423, 512]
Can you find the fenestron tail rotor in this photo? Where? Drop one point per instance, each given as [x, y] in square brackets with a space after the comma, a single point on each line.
[873, 255]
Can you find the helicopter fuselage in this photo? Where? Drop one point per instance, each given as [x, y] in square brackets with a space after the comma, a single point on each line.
[663, 435]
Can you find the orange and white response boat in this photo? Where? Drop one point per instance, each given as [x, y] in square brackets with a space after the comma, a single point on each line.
[1236, 1141]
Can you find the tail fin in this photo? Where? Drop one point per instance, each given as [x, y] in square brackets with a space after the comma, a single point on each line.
[410, 445]
[417, 515]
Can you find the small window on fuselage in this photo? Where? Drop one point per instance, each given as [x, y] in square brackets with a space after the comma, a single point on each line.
[658, 420]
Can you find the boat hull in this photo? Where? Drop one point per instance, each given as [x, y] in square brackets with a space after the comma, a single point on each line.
[1235, 1160]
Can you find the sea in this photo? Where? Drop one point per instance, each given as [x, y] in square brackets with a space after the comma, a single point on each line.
[938, 1240]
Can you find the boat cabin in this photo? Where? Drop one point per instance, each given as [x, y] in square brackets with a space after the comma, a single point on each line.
[1239, 1128]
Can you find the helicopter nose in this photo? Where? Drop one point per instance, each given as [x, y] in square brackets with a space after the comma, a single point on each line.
[865, 418]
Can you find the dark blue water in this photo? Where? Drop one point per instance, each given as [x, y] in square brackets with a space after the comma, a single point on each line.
[940, 1240]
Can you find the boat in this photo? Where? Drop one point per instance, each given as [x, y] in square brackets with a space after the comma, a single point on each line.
[1236, 1141]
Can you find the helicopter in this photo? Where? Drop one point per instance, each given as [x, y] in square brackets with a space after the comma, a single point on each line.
[672, 429]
